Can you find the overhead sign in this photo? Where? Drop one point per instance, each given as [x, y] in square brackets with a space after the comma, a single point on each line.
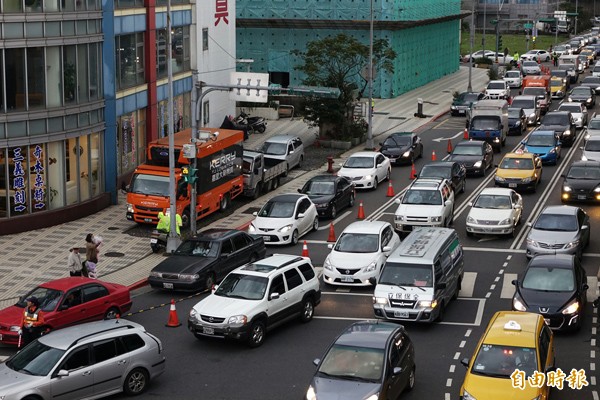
[244, 81]
[560, 14]
[527, 26]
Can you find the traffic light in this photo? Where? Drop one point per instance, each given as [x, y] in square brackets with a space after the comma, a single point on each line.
[499, 41]
[189, 174]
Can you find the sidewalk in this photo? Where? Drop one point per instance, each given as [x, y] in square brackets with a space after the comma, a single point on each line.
[30, 258]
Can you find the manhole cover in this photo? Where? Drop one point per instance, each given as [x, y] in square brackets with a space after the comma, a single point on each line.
[114, 254]
[252, 210]
[113, 228]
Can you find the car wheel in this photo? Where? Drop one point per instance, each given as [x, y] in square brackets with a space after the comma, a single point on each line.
[257, 334]
[513, 232]
[388, 174]
[457, 291]
[464, 186]
[315, 225]
[483, 170]
[440, 316]
[287, 170]
[333, 212]
[275, 183]
[136, 382]
[224, 202]
[155, 247]
[308, 310]
[209, 281]
[411, 380]
[375, 183]
[111, 313]
[262, 129]
[295, 237]
[257, 191]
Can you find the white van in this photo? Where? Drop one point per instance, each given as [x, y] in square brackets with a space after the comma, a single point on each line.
[420, 277]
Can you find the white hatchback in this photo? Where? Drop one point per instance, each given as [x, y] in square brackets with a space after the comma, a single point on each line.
[366, 169]
[496, 211]
[285, 218]
[359, 253]
[578, 111]
[513, 78]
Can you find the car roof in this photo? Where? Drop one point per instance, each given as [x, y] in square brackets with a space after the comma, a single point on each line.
[287, 198]
[327, 178]
[68, 282]
[496, 191]
[365, 154]
[557, 113]
[543, 133]
[586, 164]
[281, 138]
[562, 210]
[525, 97]
[477, 143]
[371, 334]
[402, 134]
[427, 183]
[366, 227]
[519, 155]
[503, 331]
[553, 260]
[269, 265]
[440, 164]
[66, 337]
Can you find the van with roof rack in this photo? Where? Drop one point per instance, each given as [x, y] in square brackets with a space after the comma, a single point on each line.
[420, 277]
[256, 298]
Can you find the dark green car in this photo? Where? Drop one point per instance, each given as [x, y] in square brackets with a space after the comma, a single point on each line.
[463, 102]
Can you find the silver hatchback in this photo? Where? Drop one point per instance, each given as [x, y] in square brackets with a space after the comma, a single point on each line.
[90, 360]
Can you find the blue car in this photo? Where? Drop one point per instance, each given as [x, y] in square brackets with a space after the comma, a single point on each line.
[544, 144]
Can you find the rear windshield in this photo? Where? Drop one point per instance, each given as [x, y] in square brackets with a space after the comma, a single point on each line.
[485, 123]
[523, 103]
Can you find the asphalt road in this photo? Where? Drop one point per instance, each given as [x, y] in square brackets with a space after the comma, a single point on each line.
[282, 367]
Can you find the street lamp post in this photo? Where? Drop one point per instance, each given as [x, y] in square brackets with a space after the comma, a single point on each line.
[576, 14]
[370, 105]
[470, 87]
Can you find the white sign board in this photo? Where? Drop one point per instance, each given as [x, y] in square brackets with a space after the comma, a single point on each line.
[560, 14]
[246, 80]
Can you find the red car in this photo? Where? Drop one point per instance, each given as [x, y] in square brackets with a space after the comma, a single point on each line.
[67, 301]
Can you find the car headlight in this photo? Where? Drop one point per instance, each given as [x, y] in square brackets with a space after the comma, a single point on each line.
[322, 205]
[552, 151]
[505, 221]
[467, 396]
[380, 300]
[310, 393]
[372, 266]
[572, 244]
[189, 277]
[583, 158]
[155, 274]
[436, 219]
[477, 164]
[470, 220]
[406, 154]
[586, 137]
[570, 99]
[567, 132]
[368, 177]
[571, 308]
[568, 189]
[427, 303]
[531, 242]
[526, 180]
[327, 264]
[237, 320]
[193, 313]
[589, 100]
[597, 189]
[14, 328]
[285, 229]
[453, 107]
[532, 115]
[518, 123]
[399, 218]
[251, 228]
[374, 396]
[518, 305]
[499, 178]
[129, 207]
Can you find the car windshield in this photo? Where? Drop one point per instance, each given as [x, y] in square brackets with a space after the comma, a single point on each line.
[534, 91]
[493, 201]
[467, 150]
[497, 85]
[353, 362]
[592, 145]
[523, 103]
[549, 279]
[580, 90]
[240, 286]
[277, 209]
[198, 248]
[516, 163]
[319, 188]
[360, 162]
[541, 140]
[514, 113]
[594, 124]
[566, 67]
[274, 148]
[48, 298]
[573, 108]
[556, 119]
[35, 359]
[357, 243]
[435, 171]
[556, 222]
[559, 73]
[150, 184]
[427, 197]
[484, 123]
[470, 97]
[246, 163]
[530, 64]
[512, 74]
[397, 141]
[501, 361]
[399, 274]
[584, 173]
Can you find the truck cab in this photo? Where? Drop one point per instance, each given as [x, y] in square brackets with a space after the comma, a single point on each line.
[488, 121]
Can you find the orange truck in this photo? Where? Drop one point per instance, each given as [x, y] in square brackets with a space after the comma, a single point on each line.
[219, 176]
[540, 87]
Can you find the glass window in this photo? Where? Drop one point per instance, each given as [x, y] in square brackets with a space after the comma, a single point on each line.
[104, 350]
[12, 6]
[69, 74]
[239, 241]
[95, 71]
[82, 73]
[13, 30]
[72, 152]
[141, 136]
[36, 72]
[204, 39]
[307, 271]
[94, 292]
[226, 247]
[68, 27]
[53, 77]
[3, 185]
[181, 49]
[1, 84]
[56, 174]
[15, 86]
[125, 139]
[79, 358]
[35, 29]
[130, 60]
[52, 28]
[293, 278]
[84, 167]
[37, 126]
[132, 342]
[95, 155]
[82, 27]
[277, 285]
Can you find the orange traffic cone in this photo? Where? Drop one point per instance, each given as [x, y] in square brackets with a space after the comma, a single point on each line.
[449, 148]
[433, 156]
[413, 172]
[305, 249]
[466, 134]
[331, 237]
[173, 319]
[390, 191]
[361, 211]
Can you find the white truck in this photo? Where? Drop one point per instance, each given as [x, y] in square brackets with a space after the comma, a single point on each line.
[261, 173]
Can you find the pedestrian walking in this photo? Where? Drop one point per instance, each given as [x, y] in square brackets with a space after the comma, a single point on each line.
[555, 59]
[92, 247]
[164, 222]
[74, 263]
[31, 324]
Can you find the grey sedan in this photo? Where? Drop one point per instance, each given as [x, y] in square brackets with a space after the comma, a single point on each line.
[559, 230]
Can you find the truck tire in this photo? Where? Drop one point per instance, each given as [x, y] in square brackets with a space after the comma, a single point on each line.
[224, 202]
[257, 191]
[275, 183]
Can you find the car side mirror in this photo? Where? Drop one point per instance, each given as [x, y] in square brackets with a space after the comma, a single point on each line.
[585, 227]
[441, 286]
[523, 142]
[330, 246]
[62, 372]
[515, 282]
[214, 288]
[529, 224]
[580, 147]
[387, 249]
[300, 215]
[255, 213]
[274, 296]
[398, 201]
[316, 361]
[470, 204]
[63, 307]
[465, 362]
[299, 190]
[291, 152]
[585, 286]
[397, 371]
[373, 281]
[381, 144]
[225, 255]
[127, 188]
[378, 165]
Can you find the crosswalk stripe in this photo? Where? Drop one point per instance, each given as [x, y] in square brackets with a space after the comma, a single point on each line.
[508, 288]
[468, 284]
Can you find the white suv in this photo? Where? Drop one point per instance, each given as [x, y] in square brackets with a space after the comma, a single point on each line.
[497, 90]
[256, 298]
[426, 202]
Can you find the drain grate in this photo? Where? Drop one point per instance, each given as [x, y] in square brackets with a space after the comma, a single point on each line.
[113, 228]
[397, 117]
[251, 210]
[381, 113]
[114, 254]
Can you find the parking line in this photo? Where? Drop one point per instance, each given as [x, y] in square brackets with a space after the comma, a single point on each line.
[508, 288]
[468, 284]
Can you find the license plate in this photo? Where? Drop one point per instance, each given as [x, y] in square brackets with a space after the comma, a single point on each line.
[208, 331]
[512, 185]
[153, 240]
[401, 314]
[347, 279]
[147, 219]
[168, 285]
[267, 238]
[581, 197]
[461, 111]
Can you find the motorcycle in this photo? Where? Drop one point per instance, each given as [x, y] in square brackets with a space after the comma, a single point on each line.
[258, 124]
[158, 240]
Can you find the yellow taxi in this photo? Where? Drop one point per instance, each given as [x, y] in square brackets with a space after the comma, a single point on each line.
[589, 53]
[559, 83]
[515, 347]
[519, 170]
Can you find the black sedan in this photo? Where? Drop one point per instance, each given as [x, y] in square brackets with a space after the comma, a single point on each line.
[204, 260]
[453, 171]
[583, 94]
[517, 121]
[369, 360]
[477, 156]
[554, 286]
[329, 193]
[582, 182]
[463, 102]
[592, 82]
[562, 123]
[402, 147]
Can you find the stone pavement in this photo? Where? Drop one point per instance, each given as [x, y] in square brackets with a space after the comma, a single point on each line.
[30, 258]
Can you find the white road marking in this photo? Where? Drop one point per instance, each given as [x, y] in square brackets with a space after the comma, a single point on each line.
[462, 344]
[446, 396]
[468, 284]
[488, 250]
[449, 382]
[335, 221]
[452, 367]
[592, 283]
[595, 395]
[508, 288]
[468, 332]
[457, 355]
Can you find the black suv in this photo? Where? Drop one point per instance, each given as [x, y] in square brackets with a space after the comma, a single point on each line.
[581, 182]
[563, 124]
[477, 156]
[402, 147]
[453, 171]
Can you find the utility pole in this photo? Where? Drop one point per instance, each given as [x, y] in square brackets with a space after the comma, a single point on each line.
[484, 16]
[369, 145]
[470, 87]
[194, 193]
[576, 15]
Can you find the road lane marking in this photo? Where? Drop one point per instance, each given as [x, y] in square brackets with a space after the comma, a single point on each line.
[468, 332]
[349, 294]
[452, 367]
[468, 284]
[494, 250]
[449, 382]
[335, 221]
[508, 289]
[462, 344]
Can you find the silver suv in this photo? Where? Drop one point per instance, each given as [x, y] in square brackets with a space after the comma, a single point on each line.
[90, 360]
[256, 298]
[287, 148]
[426, 202]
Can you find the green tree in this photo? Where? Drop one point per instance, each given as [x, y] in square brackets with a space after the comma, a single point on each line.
[337, 61]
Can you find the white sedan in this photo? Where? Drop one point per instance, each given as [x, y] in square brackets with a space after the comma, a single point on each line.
[359, 253]
[534, 55]
[366, 169]
[496, 211]
[285, 218]
[578, 111]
